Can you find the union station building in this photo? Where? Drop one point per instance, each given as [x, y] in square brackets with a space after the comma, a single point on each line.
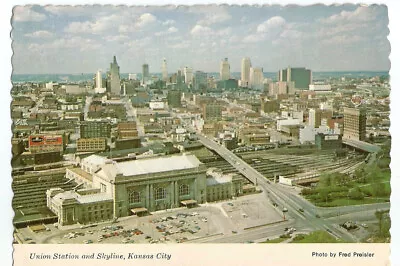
[108, 189]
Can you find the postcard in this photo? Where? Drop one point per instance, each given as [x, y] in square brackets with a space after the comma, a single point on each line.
[156, 134]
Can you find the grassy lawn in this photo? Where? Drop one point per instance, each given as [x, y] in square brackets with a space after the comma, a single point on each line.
[346, 202]
[316, 237]
[275, 240]
[203, 152]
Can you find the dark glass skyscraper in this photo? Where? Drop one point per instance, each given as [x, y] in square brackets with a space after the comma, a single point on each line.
[301, 76]
[145, 73]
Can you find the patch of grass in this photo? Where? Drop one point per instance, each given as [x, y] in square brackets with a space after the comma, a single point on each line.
[316, 237]
[276, 240]
[346, 202]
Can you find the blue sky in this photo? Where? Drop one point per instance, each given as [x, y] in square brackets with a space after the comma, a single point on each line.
[66, 39]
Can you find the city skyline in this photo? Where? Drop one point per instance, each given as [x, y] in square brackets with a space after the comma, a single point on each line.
[56, 39]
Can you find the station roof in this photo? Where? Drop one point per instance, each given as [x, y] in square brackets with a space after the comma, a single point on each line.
[89, 198]
[149, 166]
[81, 173]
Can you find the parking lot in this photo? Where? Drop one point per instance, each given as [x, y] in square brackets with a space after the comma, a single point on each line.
[172, 226]
[251, 212]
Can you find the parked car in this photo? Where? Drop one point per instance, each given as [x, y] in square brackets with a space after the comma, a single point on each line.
[364, 225]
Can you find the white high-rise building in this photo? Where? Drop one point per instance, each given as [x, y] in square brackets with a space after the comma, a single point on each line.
[256, 78]
[98, 88]
[164, 70]
[225, 70]
[188, 73]
[245, 74]
[99, 80]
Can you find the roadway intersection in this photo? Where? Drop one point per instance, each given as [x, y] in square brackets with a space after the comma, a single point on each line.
[305, 214]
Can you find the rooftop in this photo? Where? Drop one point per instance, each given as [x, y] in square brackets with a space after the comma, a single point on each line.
[94, 160]
[82, 173]
[215, 177]
[149, 166]
[67, 195]
[365, 146]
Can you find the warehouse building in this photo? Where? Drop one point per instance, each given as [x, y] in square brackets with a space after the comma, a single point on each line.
[91, 145]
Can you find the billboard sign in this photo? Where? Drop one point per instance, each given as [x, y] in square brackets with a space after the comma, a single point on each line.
[332, 137]
[45, 140]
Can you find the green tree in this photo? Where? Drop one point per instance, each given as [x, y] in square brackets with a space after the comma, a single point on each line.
[378, 189]
[324, 195]
[360, 175]
[325, 180]
[384, 223]
[356, 194]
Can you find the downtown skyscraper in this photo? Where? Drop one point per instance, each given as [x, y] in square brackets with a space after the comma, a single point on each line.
[188, 75]
[225, 70]
[115, 82]
[301, 76]
[99, 80]
[256, 78]
[245, 73]
[164, 70]
[98, 86]
[145, 73]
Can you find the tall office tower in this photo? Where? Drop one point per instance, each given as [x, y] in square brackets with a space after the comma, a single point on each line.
[301, 77]
[114, 77]
[245, 76]
[99, 87]
[164, 70]
[225, 70]
[145, 73]
[200, 80]
[355, 121]
[256, 78]
[179, 80]
[188, 73]
[99, 80]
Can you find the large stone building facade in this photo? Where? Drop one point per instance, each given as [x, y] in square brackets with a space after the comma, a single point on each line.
[132, 187]
[108, 189]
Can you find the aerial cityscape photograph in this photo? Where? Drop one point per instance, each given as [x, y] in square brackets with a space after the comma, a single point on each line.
[200, 124]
